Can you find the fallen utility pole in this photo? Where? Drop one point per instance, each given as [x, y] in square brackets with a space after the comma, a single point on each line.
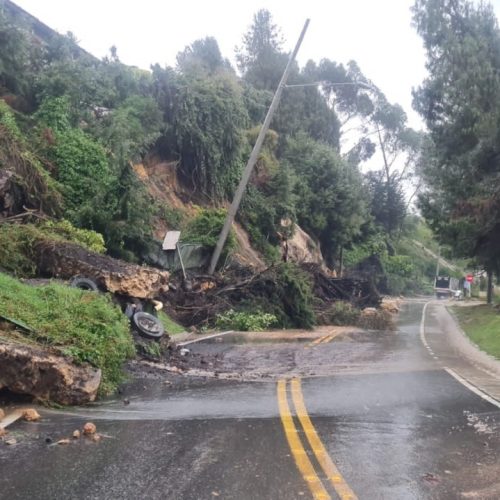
[253, 157]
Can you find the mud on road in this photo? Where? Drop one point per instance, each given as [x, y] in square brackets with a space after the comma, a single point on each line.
[254, 356]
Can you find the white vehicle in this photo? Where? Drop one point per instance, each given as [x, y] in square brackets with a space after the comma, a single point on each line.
[446, 287]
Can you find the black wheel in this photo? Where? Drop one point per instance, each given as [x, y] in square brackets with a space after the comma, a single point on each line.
[147, 325]
[84, 284]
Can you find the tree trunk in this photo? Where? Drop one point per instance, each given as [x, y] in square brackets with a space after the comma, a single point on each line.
[489, 293]
[66, 260]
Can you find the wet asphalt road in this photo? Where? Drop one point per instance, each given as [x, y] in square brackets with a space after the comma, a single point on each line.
[393, 421]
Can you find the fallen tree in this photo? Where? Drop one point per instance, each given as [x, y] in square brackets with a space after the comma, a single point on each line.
[27, 250]
[359, 290]
[66, 260]
[295, 295]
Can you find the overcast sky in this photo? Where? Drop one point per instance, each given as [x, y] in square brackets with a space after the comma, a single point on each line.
[376, 34]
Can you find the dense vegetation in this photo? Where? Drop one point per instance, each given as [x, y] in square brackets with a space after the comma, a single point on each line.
[78, 125]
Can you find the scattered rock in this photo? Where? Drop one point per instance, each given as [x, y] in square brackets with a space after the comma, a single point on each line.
[31, 415]
[89, 428]
[174, 369]
[96, 437]
[63, 441]
[126, 401]
[76, 434]
[11, 441]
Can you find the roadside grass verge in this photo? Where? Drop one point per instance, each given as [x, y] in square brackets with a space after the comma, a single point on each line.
[482, 324]
[171, 327]
[84, 325]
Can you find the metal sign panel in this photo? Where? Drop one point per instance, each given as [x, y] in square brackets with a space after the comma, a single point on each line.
[171, 240]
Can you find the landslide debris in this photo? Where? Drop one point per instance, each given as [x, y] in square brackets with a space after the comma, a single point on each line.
[29, 250]
[46, 376]
[297, 296]
[71, 327]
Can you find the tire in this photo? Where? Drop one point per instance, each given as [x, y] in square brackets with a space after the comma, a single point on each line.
[84, 284]
[147, 325]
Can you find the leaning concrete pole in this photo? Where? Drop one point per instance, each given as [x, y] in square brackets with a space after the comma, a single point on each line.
[253, 156]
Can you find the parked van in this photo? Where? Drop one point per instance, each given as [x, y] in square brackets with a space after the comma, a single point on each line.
[446, 287]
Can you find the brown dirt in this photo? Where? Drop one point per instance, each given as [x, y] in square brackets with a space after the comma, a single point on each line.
[162, 183]
[302, 248]
[245, 254]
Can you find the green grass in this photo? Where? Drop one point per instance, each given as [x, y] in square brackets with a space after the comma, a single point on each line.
[80, 324]
[171, 327]
[482, 324]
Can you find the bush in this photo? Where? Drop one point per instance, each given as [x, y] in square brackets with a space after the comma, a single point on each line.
[205, 229]
[80, 324]
[18, 243]
[295, 291]
[246, 321]
[84, 237]
[173, 217]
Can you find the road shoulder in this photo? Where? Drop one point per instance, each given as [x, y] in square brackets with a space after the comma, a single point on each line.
[456, 351]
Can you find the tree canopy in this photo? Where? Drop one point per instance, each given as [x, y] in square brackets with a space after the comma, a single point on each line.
[460, 101]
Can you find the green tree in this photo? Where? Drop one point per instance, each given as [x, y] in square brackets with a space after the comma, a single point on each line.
[460, 101]
[81, 164]
[329, 205]
[260, 59]
[204, 118]
[202, 56]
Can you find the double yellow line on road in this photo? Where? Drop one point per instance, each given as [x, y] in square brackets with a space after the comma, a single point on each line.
[323, 340]
[300, 455]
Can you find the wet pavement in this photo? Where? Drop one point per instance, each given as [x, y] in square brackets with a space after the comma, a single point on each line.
[392, 420]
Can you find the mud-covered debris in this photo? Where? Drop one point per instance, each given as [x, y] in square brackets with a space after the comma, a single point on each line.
[431, 478]
[390, 305]
[30, 415]
[184, 351]
[96, 437]
[76, 434]
[3, 432]
[2, 414]
[89, 428]
[174, 369]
